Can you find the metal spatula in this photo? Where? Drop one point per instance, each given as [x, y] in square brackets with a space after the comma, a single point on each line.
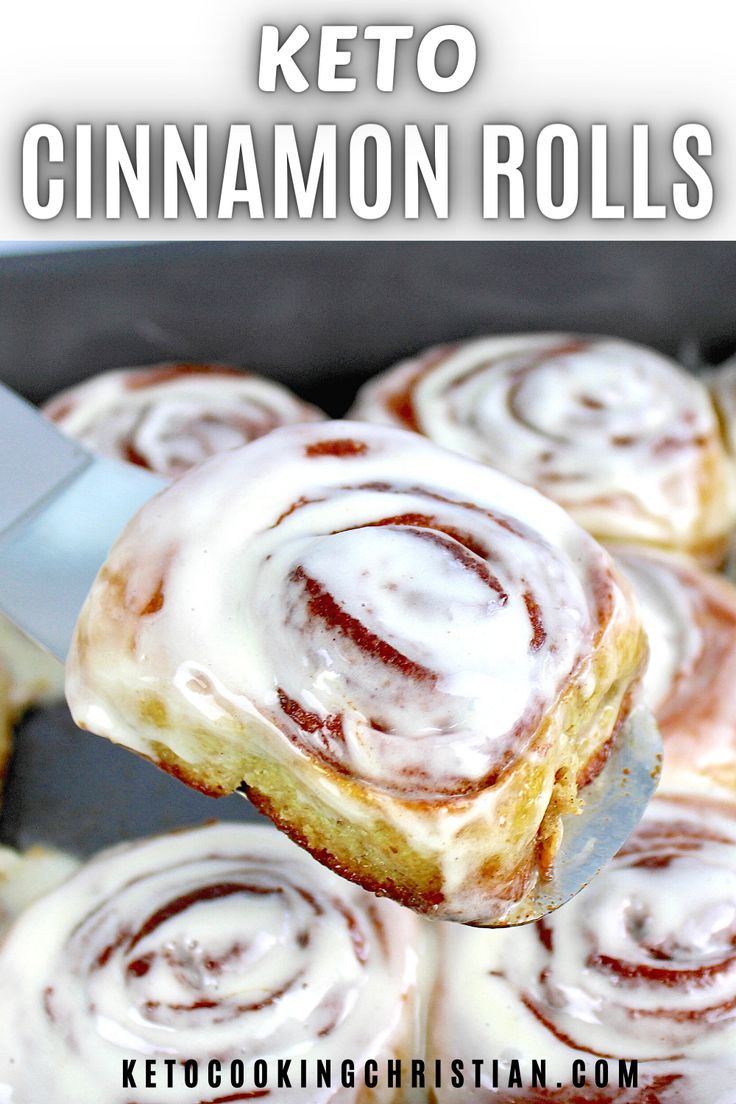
[60, 510]
[614, 804]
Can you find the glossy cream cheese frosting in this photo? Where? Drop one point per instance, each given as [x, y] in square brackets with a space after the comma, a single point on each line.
[171, 416]
[690, 619]
[224, 942]
[382, 621]
[617, 433]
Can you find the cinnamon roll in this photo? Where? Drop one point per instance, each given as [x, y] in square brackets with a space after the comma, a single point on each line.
[218, 948]
[640, 965]
[171, 416]
[166, 418]
[690, 619]
[412, 661]
[6, 727]
[27, 875]
[621, 436]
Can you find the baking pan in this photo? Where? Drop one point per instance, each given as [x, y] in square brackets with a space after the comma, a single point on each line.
[321, 317]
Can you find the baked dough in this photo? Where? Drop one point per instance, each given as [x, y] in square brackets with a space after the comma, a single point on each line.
[412, 662]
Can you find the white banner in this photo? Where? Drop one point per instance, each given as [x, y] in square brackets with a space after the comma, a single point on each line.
[175, 120]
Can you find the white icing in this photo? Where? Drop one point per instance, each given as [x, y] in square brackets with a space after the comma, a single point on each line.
[238, 627]
[610, 429]
[279, 959]
[26, 876]
[690, 619]
[722, 382]
[174, 423]
[669, 614]
[667, 904]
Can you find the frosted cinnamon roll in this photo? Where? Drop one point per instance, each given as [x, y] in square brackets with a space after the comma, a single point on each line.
[27, 875]
[412, 662]
[166, 418]
[690, 619]
[618, 434]
[171, 416]
[224, 944]
[640, 965]
[6, 727]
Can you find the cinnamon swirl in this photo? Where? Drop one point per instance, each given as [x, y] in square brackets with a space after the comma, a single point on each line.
[222, 944]
[169, 417]
[618, 434]
[640, 965]
[690, 619]
[413, 662]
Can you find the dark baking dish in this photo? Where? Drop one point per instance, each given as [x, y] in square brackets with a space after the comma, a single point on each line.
[321, 317]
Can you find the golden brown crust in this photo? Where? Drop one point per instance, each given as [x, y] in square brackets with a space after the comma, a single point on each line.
[369, 848]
